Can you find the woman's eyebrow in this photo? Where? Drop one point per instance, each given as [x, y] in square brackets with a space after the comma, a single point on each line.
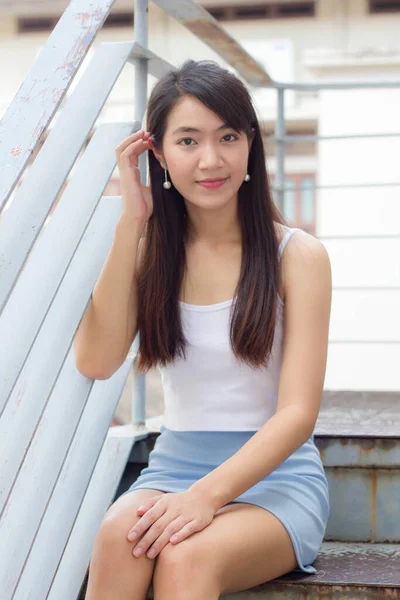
[189, 129]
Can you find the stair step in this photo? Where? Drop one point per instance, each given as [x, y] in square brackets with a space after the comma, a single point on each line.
[358, 436]
[344, 571]
[373, 415]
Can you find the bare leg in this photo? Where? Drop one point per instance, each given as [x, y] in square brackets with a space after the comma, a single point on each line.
[114, 573]
[244, 546]
[181, 572]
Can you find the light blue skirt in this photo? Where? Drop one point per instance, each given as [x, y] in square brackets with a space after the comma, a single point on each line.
[296, 492]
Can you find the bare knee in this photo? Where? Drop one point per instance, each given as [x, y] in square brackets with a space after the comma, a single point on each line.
[111, 543]
[186, 565]
[178, 556]
[114, 572]
[122, 515]
[119, 519]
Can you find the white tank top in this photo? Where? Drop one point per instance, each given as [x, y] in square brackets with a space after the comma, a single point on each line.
[210, 390]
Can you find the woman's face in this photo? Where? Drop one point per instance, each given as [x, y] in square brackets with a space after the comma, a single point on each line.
[206, 159]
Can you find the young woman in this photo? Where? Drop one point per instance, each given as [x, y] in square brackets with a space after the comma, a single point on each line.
[233, 307]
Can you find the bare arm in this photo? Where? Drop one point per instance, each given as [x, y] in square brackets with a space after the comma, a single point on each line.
[109, 324]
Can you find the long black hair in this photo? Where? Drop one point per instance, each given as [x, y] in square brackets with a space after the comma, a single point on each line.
[164, 262]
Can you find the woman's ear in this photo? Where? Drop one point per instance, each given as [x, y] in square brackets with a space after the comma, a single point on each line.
[159, 155]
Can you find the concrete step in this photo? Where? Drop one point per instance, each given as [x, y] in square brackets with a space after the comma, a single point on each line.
[358, 436]
[344, 572]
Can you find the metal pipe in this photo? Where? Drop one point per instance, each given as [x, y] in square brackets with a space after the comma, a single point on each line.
[339, 186]
[364, 341]
[141, 71]
[280, 150]
[315, 138]
[389, 236]
[336, 85]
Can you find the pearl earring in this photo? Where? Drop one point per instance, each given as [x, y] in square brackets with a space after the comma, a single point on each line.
[166, 184]
[247, 178]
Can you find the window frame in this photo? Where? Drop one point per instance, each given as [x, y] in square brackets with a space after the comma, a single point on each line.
[386, 7]
[266, 10]
[298, 179]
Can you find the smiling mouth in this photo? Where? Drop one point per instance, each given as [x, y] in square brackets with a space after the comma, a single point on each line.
[212, 183]
[212, 180]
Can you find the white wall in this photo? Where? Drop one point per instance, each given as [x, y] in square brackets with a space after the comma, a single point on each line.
[357, 315]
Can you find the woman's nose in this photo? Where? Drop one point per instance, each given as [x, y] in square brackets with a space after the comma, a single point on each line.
[210, 157]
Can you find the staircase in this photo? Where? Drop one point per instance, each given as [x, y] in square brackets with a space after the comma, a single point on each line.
[358, 436]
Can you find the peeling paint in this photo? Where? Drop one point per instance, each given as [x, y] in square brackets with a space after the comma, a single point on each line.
[24, 119]
[16, 151]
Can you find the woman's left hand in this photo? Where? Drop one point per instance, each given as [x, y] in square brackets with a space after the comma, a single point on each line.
[170, 518]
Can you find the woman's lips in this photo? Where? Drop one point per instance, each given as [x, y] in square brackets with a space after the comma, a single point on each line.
[212, 184]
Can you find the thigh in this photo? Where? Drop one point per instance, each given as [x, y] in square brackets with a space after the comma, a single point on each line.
[253, 547]
[244, 546]
[125, 507]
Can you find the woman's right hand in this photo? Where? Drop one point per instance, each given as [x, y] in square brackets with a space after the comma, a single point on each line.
[137, 201]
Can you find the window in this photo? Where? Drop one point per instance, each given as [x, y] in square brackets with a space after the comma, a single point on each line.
[119, 20]
[298, 201]
[307, 201]
[384, 6]
[250, 12]
[266, 10]
[36, 24]
[290, 10]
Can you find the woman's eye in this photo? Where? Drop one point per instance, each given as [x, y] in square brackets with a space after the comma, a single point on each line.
[182, 142]
[230, 135]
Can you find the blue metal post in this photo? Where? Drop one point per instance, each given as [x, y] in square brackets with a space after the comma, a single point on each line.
[141, 71]
[280, 149]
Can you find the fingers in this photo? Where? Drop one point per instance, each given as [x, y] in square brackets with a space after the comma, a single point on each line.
[184, 533]
[148, 504]
[132, 147]
[158, 537]
[138, 135]
[146, 521]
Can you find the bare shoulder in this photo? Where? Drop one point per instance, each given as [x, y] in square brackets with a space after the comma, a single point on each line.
[305, 264]
[304, 246]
